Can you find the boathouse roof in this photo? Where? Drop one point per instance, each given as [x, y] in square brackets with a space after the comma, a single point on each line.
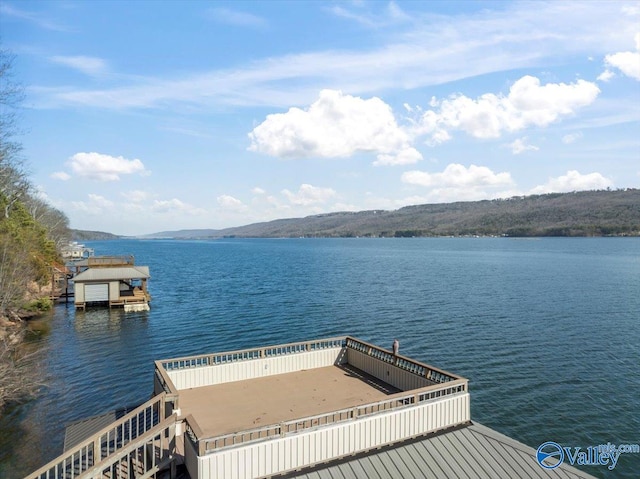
[113, 274]
[467, 452]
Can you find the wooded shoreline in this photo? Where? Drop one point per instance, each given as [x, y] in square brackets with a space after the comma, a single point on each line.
[576, 214]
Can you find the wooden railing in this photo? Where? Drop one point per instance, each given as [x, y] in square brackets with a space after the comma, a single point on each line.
[129, 434]
[205, 445]
[250, 354]
[142, 458]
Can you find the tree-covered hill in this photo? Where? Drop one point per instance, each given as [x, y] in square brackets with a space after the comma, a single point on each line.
[584, 213]
[31, 234]
[85, 235]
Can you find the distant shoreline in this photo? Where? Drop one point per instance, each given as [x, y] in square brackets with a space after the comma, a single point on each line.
[603, 213]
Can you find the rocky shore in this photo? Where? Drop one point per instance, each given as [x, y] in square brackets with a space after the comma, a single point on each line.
[13, 326]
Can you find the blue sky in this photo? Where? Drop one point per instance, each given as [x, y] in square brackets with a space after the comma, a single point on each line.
[147, 116]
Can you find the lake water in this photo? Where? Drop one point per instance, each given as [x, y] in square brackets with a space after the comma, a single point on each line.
[547, 330]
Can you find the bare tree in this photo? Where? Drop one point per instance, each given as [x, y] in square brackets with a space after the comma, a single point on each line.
[14, 181]
[54, 220]
[20, 376]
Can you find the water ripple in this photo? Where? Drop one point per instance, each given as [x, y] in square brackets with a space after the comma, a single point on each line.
[546, 331]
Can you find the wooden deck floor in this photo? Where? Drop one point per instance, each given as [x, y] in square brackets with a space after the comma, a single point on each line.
[241, 405]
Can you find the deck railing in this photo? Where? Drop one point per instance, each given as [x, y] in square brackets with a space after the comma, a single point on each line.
[401, 362]
[438, 384]
[431, 373]
[250, 354]
[205, 445]
[106, 446]
[141, 458]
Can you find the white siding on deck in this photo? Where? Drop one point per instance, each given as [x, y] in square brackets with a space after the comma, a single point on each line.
[317, 446]
[253, 368]
[396, 377]
[191, 458]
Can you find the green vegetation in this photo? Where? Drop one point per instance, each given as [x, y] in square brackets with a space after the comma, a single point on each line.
[31, 233]
[39, 305]
[584, 213]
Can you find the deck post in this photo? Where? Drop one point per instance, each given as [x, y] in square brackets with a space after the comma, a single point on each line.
[97, 450]
[172, 473]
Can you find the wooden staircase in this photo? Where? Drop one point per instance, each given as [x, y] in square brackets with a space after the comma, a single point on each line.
[132, 466]
[139, 445]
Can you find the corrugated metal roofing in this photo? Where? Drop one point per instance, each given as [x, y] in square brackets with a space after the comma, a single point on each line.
[112, 274]
[469, 452]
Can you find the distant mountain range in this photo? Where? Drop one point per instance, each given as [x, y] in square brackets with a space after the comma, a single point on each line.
[584, 213]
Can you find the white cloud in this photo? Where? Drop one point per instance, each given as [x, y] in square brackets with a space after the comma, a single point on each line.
[100, 200]
[175, 205]
[60, 175]
[458, 183]
[406, 156]
[573, 181]
[571, 138]
[457, 175]
[527, 104]
[229, 202]
[336, 125]
[309, 195]
[96, 205]
[606, 75]
[91, 66]
[395, 13]
[136, 196]
[431, 50]
[362, 19]
[103, 167]
[236, 17]
[520, 146]
[258, 191]
[387, 17]
[627, 62]
[36, 18]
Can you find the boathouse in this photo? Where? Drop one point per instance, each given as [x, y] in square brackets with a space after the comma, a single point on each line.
[76, 251]
[329, 408]
[112, 281]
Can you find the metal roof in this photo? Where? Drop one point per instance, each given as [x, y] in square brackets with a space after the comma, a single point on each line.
[112, 274]
[473, 451]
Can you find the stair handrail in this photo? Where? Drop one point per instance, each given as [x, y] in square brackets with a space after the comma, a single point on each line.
[93, 443]
[125, 450]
